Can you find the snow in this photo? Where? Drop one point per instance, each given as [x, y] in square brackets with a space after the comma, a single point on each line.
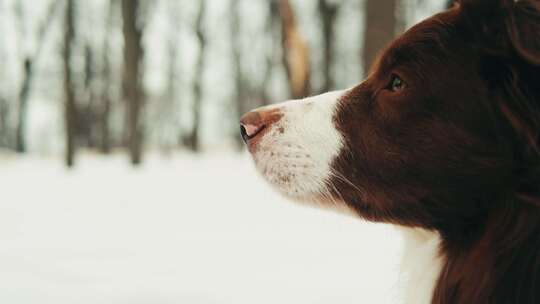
[183, 229]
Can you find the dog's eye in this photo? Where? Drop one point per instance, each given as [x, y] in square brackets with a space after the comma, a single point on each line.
[396, 84]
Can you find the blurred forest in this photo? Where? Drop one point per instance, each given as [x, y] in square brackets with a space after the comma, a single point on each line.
[140, 75]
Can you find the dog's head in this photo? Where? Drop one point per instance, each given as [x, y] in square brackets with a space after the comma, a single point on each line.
[446, 122]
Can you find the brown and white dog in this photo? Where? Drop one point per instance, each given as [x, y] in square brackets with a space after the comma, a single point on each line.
[441, 139]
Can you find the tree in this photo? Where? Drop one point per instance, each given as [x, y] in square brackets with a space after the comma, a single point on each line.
[193, 139]
[295, 52]
[240, 98]
[4, 106]
[171, 105]
[132, 75]
[106, 75]
[380, 27]
[328, 11]
[4, 126]
[87, 112]
[70, 113]
[29, 60]
[272, 33]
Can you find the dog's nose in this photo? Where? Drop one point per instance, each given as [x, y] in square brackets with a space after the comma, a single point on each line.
[255, 122]
[251, 124]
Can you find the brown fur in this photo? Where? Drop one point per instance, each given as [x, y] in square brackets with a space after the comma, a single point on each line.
[457, 151]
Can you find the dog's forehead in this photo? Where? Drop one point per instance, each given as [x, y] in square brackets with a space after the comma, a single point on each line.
[427, 39]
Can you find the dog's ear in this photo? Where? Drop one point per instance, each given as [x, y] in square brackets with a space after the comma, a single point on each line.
[481, 11]
[505, 25]
[523, 25]
[483, 22]
[485, 4]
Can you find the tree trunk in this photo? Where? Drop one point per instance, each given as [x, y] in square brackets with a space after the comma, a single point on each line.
[172, 105]
[132, 84]
[69, 111]
[295, 52]
[88, 115]
[194, 140]
[328, 12]
[381, 25]
[24, 93]
[272, 31]
[4, 127]
[28, 76]
[169, 107]
[104, 129]
[240, 98]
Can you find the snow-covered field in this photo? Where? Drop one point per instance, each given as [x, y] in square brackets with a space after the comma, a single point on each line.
[189, 229]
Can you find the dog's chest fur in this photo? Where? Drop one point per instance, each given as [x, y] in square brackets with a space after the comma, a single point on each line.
[420, 266]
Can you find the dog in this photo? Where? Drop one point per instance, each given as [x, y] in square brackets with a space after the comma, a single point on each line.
[442, 140]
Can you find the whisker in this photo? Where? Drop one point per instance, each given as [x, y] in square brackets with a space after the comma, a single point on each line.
[344, 179]
[336, 191]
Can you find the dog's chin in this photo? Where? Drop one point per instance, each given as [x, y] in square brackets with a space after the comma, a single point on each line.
[293, 172]
[289, 169]
[295, 190]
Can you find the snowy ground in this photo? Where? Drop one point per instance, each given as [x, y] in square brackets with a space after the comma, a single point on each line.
[193, 230]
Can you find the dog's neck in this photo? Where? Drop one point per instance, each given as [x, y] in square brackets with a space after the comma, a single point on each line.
[499, 263]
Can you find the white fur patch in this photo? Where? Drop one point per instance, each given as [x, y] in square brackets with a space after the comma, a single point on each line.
[296, 153]
[421, 265]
